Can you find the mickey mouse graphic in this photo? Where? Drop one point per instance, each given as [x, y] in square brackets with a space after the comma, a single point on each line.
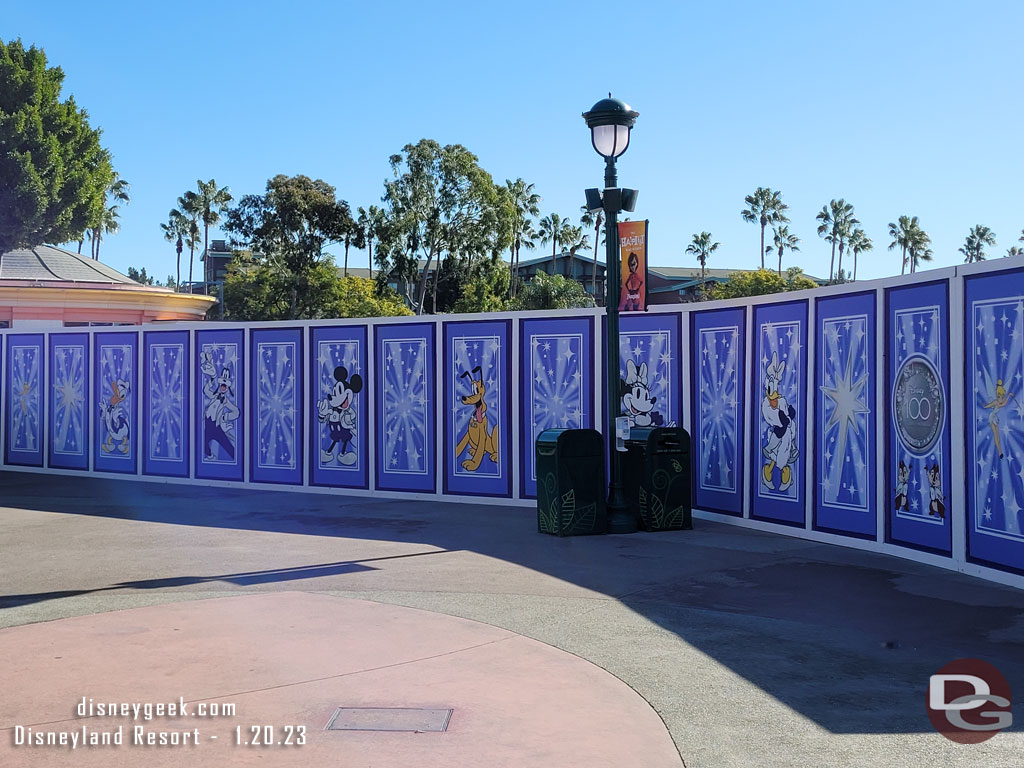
[337, 411]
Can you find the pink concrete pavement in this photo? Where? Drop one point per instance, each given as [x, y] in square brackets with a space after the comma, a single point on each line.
[289, 659]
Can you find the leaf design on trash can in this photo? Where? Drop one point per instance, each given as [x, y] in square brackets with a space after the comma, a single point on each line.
[584, 518]
[568, 508]
[658, 510]
[643, 498]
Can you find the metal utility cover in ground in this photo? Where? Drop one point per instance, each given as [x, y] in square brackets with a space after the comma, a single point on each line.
[387, 719]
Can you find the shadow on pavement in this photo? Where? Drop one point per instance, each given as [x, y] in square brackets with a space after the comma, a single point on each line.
[846, 638]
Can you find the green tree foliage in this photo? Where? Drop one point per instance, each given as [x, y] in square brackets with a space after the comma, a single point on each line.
[358, 297]
[210, 202]
[836, 223]
[551, 292]
[525, 208]
[859, 243]
[765, 208]
[783, 240]
[761, 282]
[140, 276]
[285, 232]
[557, 231]
[53, 172]
[439, 204]
[487, 288]
[907, 235]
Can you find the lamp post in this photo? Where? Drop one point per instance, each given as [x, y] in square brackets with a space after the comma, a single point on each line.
[610, 122]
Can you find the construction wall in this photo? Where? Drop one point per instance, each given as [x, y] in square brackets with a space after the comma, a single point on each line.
[883, 415]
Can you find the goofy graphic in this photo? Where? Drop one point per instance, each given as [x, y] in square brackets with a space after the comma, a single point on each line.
[221, 410]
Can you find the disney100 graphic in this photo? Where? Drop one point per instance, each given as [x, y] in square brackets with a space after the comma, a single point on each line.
[780, 385]
[115, 404]
[220, 411]
[919, 415]
[997, 413]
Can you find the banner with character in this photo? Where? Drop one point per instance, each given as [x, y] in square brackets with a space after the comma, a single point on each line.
[633, 266]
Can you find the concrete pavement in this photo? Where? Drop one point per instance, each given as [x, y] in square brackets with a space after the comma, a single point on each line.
[753, 648]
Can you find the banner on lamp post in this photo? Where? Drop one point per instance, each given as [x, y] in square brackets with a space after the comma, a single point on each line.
[633, 266]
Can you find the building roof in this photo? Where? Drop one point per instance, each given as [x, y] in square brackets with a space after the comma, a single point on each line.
[47, 264]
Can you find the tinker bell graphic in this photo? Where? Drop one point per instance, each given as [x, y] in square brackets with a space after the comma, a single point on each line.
[997, 404]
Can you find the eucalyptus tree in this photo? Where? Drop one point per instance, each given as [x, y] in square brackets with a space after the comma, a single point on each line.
[835, 224]
[595, 220]
[702, 246]
[764, 208]
[526, 207]
[859, 243]
[441, 203]
[782, 240]
[973, 248]
[555, 230]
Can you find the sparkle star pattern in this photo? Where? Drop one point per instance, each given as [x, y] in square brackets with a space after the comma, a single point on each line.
[166, 401]
[997, 490]
[25, 407]
[277, 404]
[406, 406]
[556, 397]
[67, 378]
[845, 415]
[719, 408]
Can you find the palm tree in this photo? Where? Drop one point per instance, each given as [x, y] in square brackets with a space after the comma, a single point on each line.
[702, 247]
[764, 207]
[106, 218]
[595, 220]
[918, 249]
[555, 230]
[575, 238]
[835, 224]
[973, 248]
[213, 201]
[175, 230]
[191, 206]
[902, 233]
[525, 202]
[782, 240]
[859, 243]
[1013, 250]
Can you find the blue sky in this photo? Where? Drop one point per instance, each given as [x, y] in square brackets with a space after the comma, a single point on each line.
[909, 107]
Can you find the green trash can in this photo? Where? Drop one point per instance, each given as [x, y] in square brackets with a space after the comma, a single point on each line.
[570, 482]
[656, 473]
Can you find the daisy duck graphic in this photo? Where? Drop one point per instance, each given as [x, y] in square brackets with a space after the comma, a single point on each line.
[781, 447]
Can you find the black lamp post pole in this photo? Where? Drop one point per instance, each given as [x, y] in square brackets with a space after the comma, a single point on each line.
[619, 518]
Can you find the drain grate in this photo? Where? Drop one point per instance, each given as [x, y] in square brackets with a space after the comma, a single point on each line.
[389, 719]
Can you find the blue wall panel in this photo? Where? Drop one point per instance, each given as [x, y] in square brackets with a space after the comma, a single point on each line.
[340, 398]
[917, 417]
[779, 392]
[275, 453]
[116, 442]
[556, 384]
[25, 407]
[845, 368]
[994, 415]
[69, 404]
[717, 355]
[477, 408]
[219, 359]
[165, 406]
[406, 429]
